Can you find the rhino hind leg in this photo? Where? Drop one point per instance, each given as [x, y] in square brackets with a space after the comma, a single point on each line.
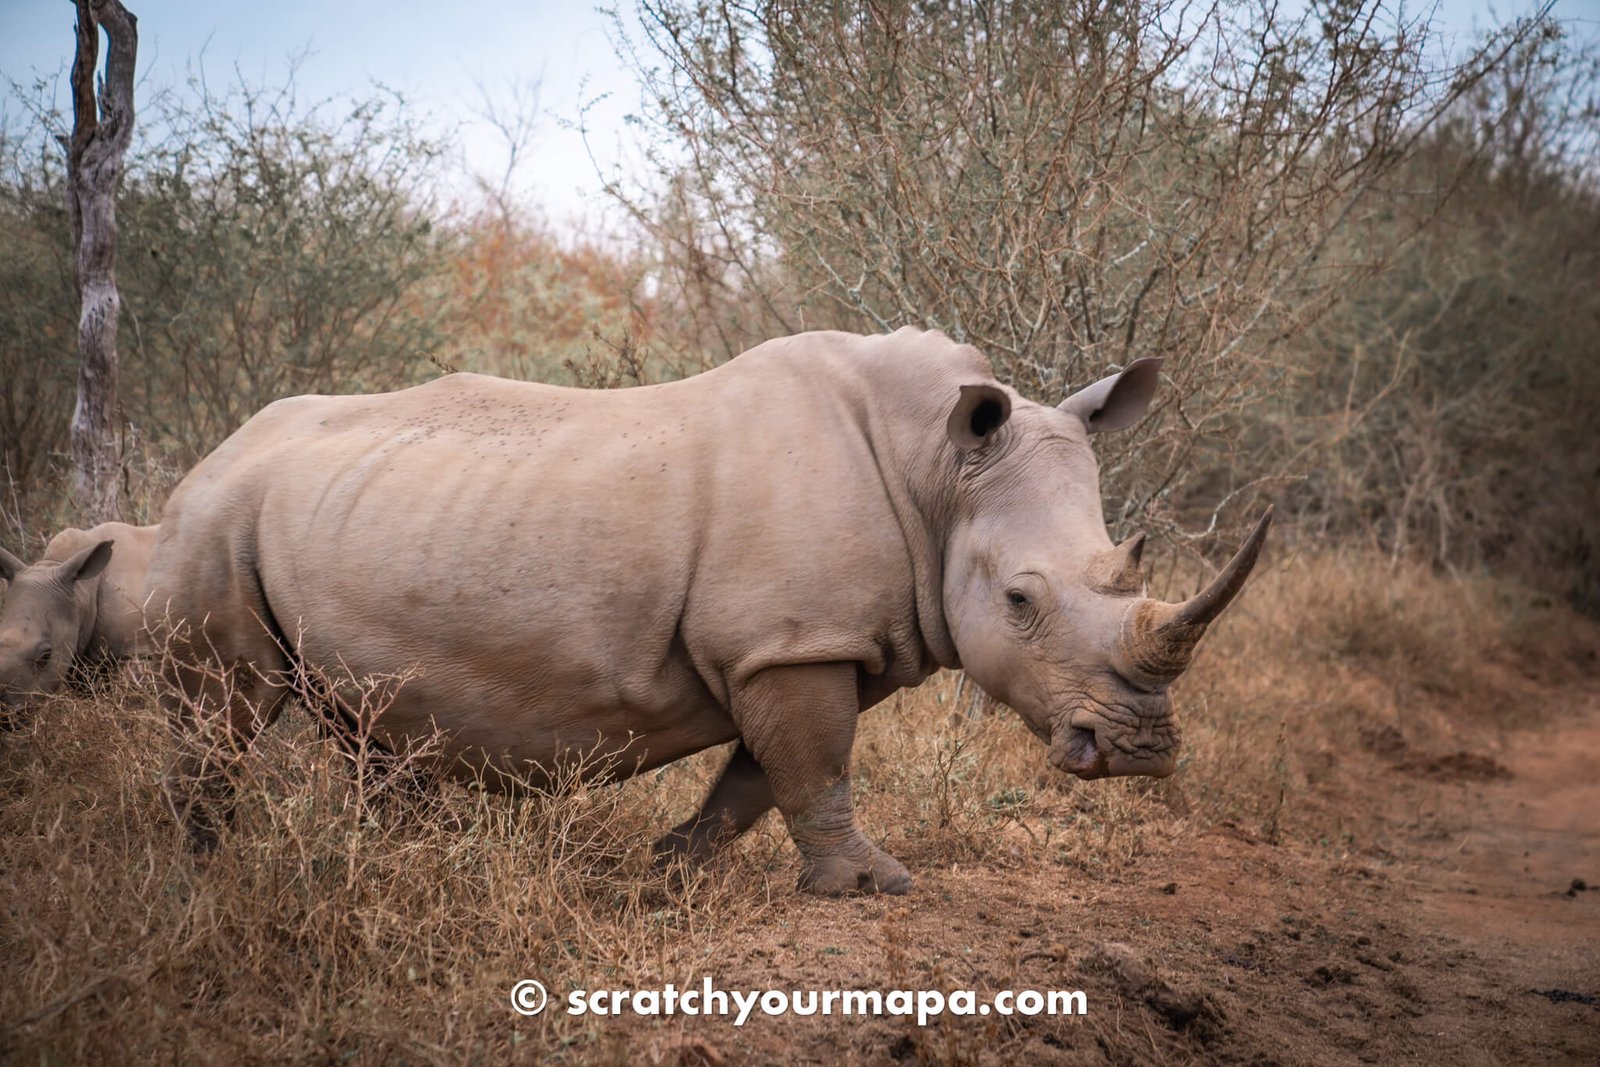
[215, 710]
[800, 725]
[388, 773]
[740, 797]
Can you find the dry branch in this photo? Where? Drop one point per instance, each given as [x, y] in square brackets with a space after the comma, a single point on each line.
[102, 127]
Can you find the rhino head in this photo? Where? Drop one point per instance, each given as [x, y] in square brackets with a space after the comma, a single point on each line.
[45, 622]
[1046, 614]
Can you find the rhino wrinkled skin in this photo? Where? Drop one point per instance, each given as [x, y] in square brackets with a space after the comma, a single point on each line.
[758, 553]
[80, 604]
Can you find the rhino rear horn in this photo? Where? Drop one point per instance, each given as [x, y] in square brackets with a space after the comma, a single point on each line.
[1119, 570]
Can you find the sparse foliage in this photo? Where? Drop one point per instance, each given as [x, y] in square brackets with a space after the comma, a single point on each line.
[282, 249]
[1446, 402]
[37, 319]
[1067, 186]
[268, 248]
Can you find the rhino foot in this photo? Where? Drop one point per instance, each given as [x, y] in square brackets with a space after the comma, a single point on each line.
[686, 845]
[848, 875]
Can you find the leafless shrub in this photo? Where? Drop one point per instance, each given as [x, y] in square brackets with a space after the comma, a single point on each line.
[37, 319]
[283, 247]
[267, 247]
[1448, 401]
[1068, 186]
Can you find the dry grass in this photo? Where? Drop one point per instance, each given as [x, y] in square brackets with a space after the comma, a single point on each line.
[332, 928]
[1345, 656]
[326, 924]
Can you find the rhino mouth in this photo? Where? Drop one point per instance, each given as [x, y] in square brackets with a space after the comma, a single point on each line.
[1077, 753]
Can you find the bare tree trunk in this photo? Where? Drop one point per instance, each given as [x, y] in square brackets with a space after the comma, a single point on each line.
[101, 130]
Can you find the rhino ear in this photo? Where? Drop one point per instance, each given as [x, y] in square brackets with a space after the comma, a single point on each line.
[979, 412]
[1119, 401]
[86, 564]
[10, 566]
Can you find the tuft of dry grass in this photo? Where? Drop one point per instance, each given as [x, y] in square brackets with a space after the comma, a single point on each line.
[341, 921]
[326, 925]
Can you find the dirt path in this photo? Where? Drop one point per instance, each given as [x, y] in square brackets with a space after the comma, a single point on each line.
[1427, 944]
[1511, 869]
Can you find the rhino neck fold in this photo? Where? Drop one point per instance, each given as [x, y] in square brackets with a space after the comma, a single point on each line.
[926, 549]
[913, 478]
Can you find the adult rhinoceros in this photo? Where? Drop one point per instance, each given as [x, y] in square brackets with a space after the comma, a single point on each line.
[80, 604]
[757, 554]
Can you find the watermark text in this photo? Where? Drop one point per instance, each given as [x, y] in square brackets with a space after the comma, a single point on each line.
[530, 998]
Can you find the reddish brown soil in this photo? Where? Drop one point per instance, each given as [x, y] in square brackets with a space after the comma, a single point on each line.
[1449, 931]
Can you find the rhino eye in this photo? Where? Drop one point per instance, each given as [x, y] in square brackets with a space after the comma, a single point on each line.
[41, 660]
[1018, 598]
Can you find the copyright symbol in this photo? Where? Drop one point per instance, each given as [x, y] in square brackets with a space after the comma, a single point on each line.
[528, 997]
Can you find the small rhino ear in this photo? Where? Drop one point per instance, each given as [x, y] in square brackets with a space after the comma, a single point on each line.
[10, 566]
[88, 563]
[979, 412]
[1118, 401]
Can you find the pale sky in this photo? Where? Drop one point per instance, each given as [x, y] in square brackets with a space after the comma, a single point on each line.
[439, 53]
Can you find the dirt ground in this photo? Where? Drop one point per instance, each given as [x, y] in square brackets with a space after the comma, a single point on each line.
[1457, 921]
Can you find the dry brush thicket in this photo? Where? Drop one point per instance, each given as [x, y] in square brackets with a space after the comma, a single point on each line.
[1370, 267]
[269, 246]
[1316, 217]
[1447, 400]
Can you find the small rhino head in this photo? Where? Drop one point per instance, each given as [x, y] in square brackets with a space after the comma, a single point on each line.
[46, 620]
[1046, 614]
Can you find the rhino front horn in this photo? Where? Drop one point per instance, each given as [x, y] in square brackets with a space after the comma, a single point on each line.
[1207, 604]
[1162, 637]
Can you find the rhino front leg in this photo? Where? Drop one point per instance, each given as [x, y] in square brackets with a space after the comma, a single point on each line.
[800, 724]
[741, 796]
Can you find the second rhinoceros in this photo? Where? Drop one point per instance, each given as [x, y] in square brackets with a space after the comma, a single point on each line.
[80, 604]
[755, 554]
